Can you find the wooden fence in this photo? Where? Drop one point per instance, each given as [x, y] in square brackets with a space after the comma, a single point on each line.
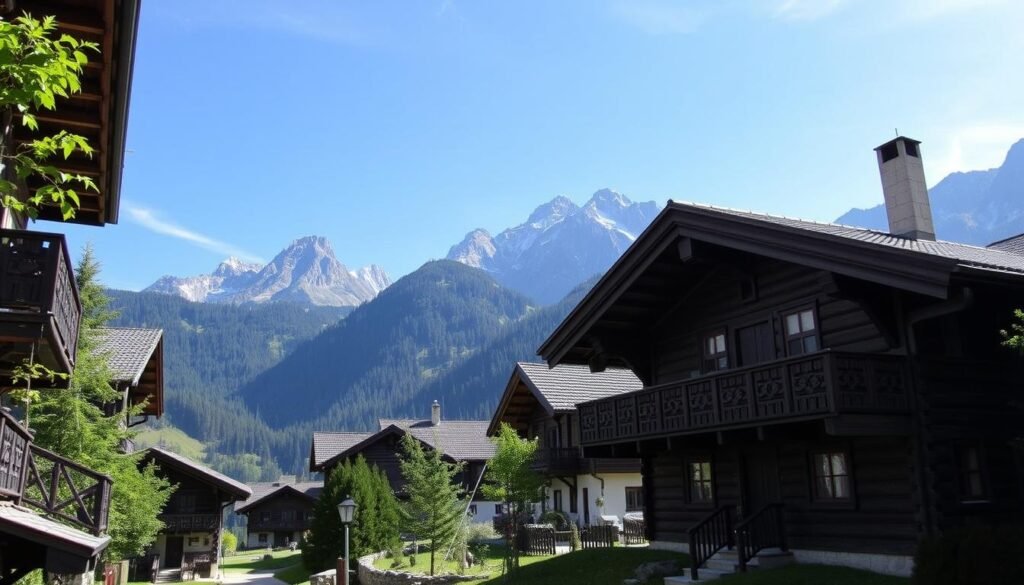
[599, 536]
[633, 531]
[537, 539]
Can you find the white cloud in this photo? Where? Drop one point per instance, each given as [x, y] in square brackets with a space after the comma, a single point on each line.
[970, 148]
[150, 220]
[806, 10]
[659, 17]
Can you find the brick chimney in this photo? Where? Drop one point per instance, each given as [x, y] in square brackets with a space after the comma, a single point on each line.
[906, 196]
[435, 414]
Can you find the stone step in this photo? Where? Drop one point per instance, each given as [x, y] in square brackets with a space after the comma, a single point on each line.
[703, 574]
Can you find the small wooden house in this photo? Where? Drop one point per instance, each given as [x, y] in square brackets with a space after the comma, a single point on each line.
[278, 513]
[839, 391]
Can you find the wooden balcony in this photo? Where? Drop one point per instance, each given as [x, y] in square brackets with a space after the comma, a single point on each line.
[806, 387]
[278, 524]
[59, 488]
[38, 301]
[186, 523]
[569, 461]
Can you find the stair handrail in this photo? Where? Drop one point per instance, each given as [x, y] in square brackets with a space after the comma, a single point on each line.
[713, 533]
[762, 529]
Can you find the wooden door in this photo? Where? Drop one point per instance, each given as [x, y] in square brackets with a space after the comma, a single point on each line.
[760, 479]
[755, 344]
[586, 507]
[174, 551]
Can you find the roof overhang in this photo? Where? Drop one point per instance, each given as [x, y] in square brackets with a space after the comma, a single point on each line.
[100, 111]
[67, 549]
[148, 385]
[678, 223]
[519, 378]
[282, 490]
[354, 450]
[233, 489]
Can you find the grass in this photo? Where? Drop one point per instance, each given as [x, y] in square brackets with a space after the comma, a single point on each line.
[174, 439]
[814, 575]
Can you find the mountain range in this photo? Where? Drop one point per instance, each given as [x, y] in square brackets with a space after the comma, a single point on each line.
[559, 246]
[973, 207]
[306, 272]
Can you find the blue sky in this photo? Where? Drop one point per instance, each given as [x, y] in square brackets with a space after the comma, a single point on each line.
[394, 128]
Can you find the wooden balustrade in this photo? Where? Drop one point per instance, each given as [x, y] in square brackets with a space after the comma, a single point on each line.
[185, 523]
[709, 536]
[763, 529]
[807, 386]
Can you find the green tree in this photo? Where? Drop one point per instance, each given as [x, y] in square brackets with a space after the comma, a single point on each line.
[375, 527]
[434, 510]
[36, 68]
[228, 543]
[511, 480]
[1015, 336]
[71, 423]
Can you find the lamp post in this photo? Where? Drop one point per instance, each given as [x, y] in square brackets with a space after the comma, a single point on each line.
[347, 511]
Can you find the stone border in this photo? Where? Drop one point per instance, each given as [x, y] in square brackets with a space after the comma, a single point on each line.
[370, 575]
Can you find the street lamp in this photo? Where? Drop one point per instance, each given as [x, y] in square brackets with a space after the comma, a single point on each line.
[346, 511]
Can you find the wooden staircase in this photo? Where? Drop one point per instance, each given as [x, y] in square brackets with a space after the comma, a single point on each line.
[168, 576]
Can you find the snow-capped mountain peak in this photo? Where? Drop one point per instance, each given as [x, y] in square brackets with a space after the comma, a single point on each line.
[560, 244]
[307, 271]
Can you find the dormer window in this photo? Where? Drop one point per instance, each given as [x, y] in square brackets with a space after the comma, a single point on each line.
[716, 356]
[801, 332]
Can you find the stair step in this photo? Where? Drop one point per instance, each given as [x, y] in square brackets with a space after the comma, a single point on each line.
[704, 575]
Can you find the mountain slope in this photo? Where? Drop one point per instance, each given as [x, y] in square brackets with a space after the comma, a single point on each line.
[377, 359]
[560, 244]
[975, 207]
[306, 272]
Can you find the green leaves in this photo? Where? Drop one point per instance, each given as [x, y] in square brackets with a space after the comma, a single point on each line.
[37, 68]
[1015, 336]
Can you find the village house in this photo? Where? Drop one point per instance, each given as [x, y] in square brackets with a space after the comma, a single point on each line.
[835, 391]
[188, 546]
[540, 402]
[40, 311]
[279, 512]
[135, 356]
[459, 441]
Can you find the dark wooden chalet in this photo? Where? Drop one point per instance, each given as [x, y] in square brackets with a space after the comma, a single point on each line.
[463, 441]
[838, 390]
[189, 545]
[279, 513]
[136, 359]
[540, 402]
[39, 305]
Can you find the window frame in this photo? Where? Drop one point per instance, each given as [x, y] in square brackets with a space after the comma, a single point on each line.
[850, 501]
[803, 334]
[637, 495]
[959, 449]
[713, 359]
[699, 458]
[556, 500]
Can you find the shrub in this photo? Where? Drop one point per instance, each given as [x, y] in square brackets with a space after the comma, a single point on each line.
[557, 518]
[228, 543]
[478, 531]
[978, 555]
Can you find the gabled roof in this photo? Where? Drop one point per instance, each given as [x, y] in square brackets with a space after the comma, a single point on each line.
[28, 525]
[462, 440]
[265, 491]
[919, 266]
[326, 446]
[1014, 245]
[236, 489]
[560, 389]
[135, 357]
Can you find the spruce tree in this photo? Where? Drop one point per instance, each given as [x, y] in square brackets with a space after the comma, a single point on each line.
[434, 510]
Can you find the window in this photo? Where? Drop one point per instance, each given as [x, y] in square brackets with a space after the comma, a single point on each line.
[263, 539]
[573, 501]
[498, 511]
[698, 473]
[831, 476]
[472, 509]
[801, 332]
[553, 438]
[634, 499]
[558, 500]
[287, 515]
[972, 481]
[186, 503]
[716, 357]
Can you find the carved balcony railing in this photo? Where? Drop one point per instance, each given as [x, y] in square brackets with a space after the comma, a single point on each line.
[570, 461]
[185, 523]
[38, 296]
[803, 387]
[60, 488]
[275, 524]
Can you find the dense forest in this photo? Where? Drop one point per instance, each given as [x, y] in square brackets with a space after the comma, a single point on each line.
[446, 332]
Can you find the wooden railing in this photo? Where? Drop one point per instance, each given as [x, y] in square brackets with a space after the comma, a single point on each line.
[185, 523]
[634, 531]
[599, 536]
[764, 529]
[537, 539]
[36, 277]
[68, 491]
[272, 524]
[806, 386]
[558, 460]
[709, 536]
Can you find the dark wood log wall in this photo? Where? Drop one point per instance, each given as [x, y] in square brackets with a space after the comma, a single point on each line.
[843, 323]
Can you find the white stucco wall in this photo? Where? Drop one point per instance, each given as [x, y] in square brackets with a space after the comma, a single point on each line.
[614, 494]
[484, 511]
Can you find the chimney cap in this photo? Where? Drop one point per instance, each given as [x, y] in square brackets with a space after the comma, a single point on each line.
[897, 139]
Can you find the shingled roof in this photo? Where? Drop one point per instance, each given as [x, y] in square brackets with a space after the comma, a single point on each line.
[23, 523]
[1014, 245]
[462, 440]
[236, 489]
[326, 446]
[266, 490]
[128, 350]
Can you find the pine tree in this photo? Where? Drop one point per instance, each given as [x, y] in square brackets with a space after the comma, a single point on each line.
[435, 509]
[71, 423]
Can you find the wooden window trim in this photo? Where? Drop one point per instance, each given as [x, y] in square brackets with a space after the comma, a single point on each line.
[705, 358]
[639, 491]
[982, 471]
[847, 503]
[797, 309]
[688, 462]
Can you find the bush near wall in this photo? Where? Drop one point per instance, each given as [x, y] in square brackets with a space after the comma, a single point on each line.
[979, 555]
